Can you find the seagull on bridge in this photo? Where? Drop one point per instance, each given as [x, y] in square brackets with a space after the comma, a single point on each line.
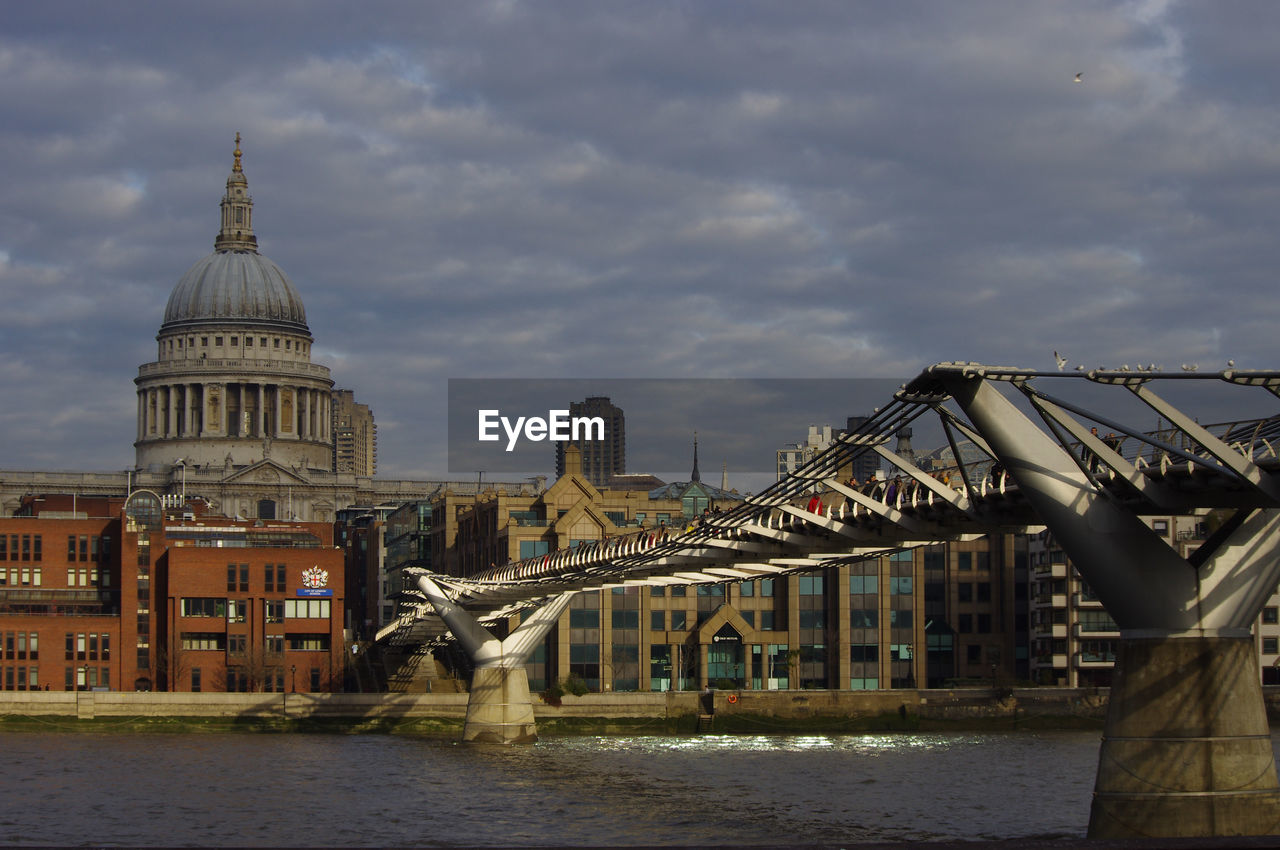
[1190, 367]
[1062, 361]
[1231, 364]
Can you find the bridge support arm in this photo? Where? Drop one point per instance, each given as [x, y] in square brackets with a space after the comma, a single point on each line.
[499, 706]
[1187, 749]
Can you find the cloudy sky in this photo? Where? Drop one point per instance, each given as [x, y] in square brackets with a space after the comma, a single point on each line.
[633, 190]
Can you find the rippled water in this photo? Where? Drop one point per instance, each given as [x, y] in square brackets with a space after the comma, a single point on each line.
[295, 790]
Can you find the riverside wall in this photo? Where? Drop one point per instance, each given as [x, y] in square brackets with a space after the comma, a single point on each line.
[808, 705]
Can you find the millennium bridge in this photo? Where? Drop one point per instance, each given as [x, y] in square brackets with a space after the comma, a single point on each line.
[1186, 749]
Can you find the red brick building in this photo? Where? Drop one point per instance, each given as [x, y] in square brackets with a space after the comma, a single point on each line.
[147, 600]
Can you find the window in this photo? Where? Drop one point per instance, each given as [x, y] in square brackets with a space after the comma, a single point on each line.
[868, 653]
[658, 620]
[1270, 646]
[308, 643]
[274, 610]
[306, 609]
[244, 578]
[204, 640]
[964, 591]
[1096, 621]
[678, 619]
[864, 584]
[236, 610]
[1269, 615]
[203, 606]
[813, 619]
[584, 618]
[237, 644]
[964, 560]
[973, 653]
[217, 340]
[231, 577]
[984, 591]
[195, 680]
[900, 586]
[864, 618]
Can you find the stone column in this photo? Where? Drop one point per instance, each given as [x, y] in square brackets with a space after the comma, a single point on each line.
[171, 414]
[306, 415]
[142, 414]
[262, 411]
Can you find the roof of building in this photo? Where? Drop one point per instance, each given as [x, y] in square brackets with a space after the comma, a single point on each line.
[235, 284]
[235, 287]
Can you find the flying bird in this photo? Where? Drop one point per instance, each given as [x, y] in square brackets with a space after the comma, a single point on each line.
[1062, 361]
[1080, 77]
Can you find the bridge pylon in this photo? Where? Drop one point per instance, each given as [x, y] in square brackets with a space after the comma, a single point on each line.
[499, 706]
[1186, 750]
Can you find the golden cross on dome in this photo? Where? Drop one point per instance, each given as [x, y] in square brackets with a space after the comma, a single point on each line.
[236, 166]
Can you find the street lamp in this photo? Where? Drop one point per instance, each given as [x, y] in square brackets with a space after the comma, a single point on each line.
[182, 461]
[293, 681]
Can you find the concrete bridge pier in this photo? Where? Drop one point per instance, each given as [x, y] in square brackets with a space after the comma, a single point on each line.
[1187, 748]
[499, 707]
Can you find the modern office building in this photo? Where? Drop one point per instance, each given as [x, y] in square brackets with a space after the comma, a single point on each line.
[355, 436]
[601, 458]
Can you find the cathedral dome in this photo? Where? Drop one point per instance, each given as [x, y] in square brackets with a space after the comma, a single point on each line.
[235, 287]
[235, 284]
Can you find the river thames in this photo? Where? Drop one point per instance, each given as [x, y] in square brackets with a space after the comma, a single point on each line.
[220, 789]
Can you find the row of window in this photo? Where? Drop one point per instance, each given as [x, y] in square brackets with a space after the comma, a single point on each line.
[274, 610]
[21, 547]
[238, 644]
[19, 678]
[273, 578]
[88, 547]
[21, 576]
[21, 646]
[90, 646]
[235, 341]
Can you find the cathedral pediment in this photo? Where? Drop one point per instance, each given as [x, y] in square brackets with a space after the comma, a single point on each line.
[266, 472]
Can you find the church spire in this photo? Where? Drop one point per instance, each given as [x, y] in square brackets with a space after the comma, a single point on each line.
[237, 211]
[695, 476]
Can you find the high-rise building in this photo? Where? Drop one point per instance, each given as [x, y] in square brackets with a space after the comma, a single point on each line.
[355, 437]
[601, 459]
